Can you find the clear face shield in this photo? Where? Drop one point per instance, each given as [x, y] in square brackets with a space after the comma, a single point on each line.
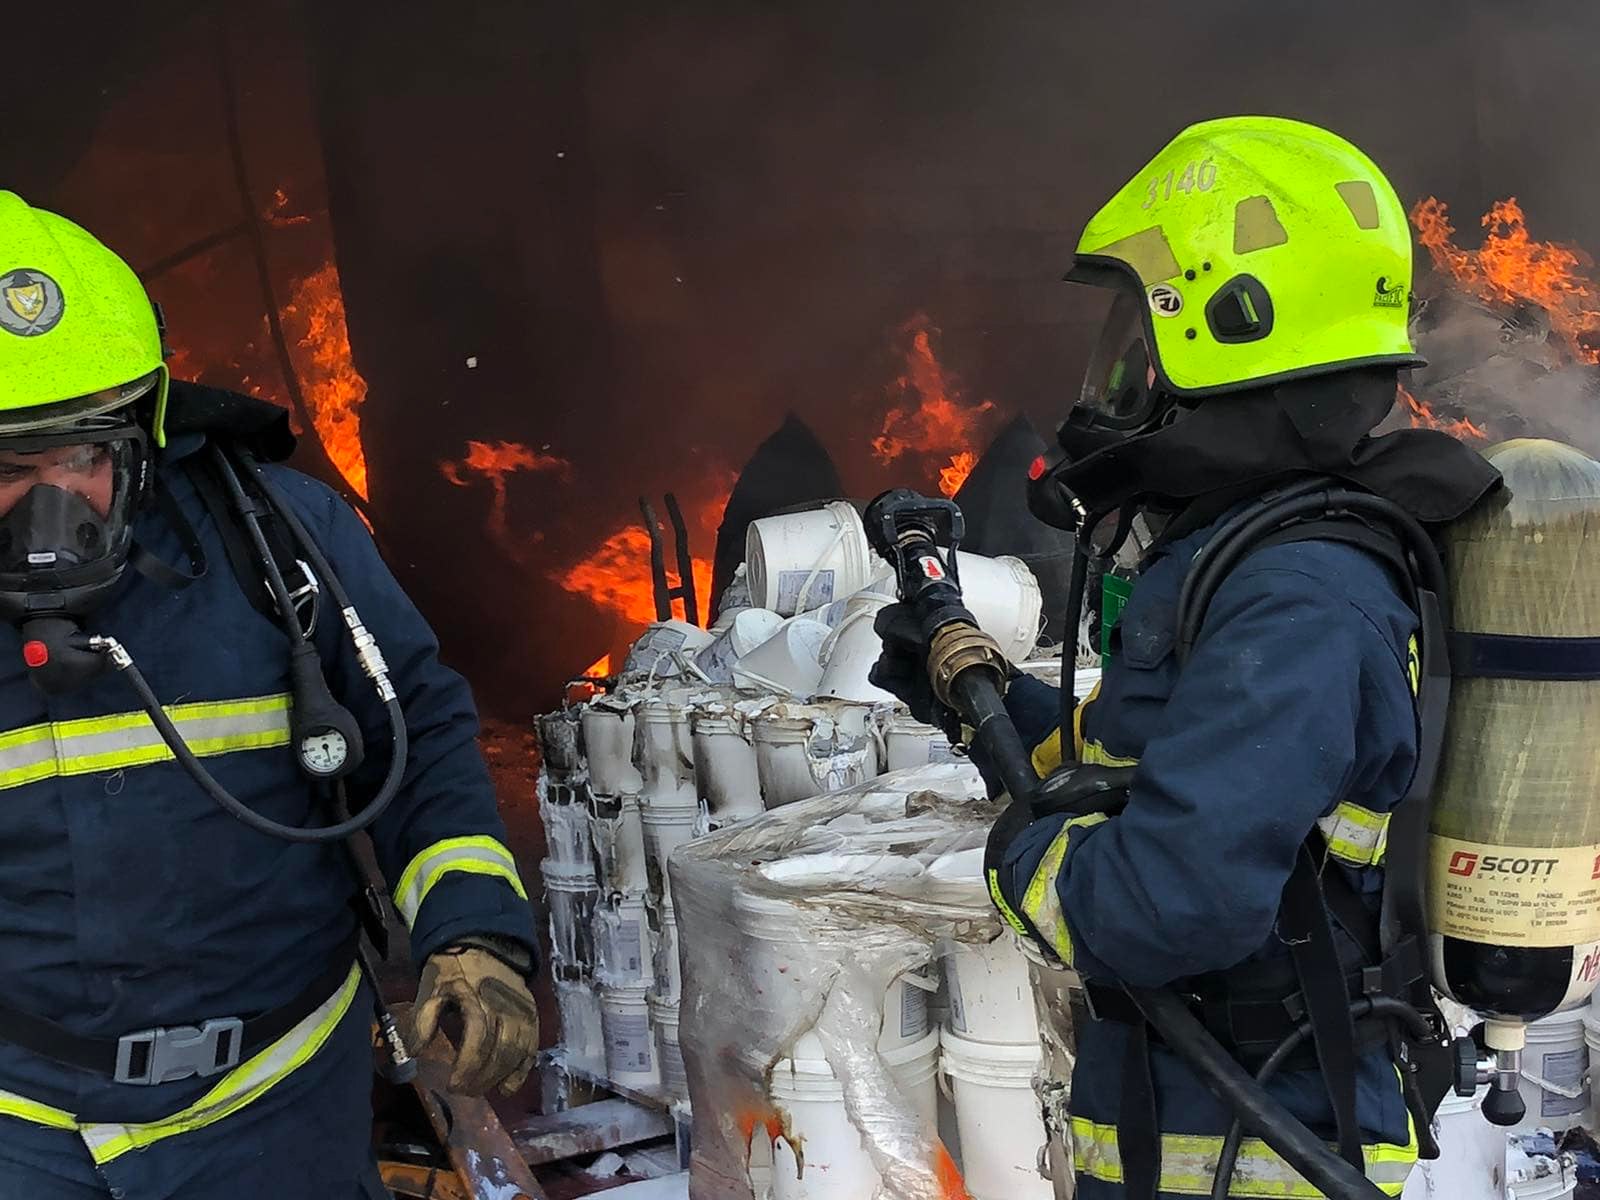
[68, 496]
[1119, 386]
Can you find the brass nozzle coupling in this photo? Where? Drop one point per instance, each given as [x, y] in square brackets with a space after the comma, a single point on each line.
[957, 647]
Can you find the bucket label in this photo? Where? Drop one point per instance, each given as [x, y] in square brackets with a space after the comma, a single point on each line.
[1514, 895]
[630, 949]
[819, 593]
[913, 1011]
[940, 750]
[629, 1046]
[1564, 1069]
[651, 647]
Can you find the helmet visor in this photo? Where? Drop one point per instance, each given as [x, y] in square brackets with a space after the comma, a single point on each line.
[1118, 388]
[63, 413]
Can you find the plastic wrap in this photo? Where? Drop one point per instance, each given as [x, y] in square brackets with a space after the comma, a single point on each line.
[793, 927]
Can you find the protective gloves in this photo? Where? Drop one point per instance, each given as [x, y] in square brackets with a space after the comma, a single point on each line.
[499, 1020]
[902, 667]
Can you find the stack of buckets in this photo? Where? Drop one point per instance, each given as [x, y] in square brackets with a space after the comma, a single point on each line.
[572, 889]
[991, 1057]
[819, 1154]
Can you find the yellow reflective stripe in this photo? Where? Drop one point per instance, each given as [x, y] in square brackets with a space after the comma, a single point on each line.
[478, 855]
[1414, 664]
[1094, 754]
[92, 744]
[13, 1105]
[1189, 1163]
[1356, 835]
[1041, 902]
[1047, 754]
[239, 1087]
[1077, 718]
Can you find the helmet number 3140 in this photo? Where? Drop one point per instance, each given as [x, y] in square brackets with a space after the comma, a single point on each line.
[1201, 176]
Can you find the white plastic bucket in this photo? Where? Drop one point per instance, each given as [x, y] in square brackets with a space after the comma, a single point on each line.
[622, 943]
[745, 630]
[566, 835]
[907, 742]
[664, 752]
[808, 750]
[664, 1021]
[725, 764]
[582, 1037]
[776, 959]
[630, 1046]
[850, 651]
[654, 653]
[668, 987]
[991, 992]
[1004, 598]
[831, 1163]
[788, 663]
[617, 831]
[802, 560]
[665, 829]
[608, 741]
[1472, 1155]
[1591, 1040]
[998, 1114]
[558, 742]
[571, 893]
[1553, 1068]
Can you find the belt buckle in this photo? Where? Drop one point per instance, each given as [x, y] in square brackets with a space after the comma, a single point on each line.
[169, 1053]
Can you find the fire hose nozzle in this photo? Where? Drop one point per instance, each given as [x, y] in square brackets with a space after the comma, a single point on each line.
[959, 647]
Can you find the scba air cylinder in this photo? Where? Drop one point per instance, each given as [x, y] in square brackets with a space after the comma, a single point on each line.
[1514, 858]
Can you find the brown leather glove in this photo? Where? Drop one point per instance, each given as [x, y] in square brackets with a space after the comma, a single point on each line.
[499, 1020]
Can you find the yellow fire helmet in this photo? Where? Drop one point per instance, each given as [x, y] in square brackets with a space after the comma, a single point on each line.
[1262, 249]
[78, 334]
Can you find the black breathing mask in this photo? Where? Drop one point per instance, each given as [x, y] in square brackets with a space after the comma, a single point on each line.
[67, 504]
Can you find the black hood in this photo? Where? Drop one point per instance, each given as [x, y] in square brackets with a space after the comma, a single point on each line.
[1237, 445]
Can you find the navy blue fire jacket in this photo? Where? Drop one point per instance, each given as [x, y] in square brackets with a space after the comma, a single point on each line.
[129, 900]
[1294, 712]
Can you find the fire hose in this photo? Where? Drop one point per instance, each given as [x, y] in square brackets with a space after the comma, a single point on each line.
[968, 674]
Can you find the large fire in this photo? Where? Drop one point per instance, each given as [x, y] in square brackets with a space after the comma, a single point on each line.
[1511, 267]
[494, 463]
[617, 576]
[333, 388]
[928, 417]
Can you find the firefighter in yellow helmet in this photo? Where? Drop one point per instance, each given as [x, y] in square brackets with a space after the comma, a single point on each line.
[182, 1014]
[1259, 272]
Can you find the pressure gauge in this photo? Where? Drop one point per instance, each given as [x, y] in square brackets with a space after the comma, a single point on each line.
[324, 753]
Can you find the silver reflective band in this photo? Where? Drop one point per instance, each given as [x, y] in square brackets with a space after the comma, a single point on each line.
[239, 1087]
[94, 744]
[1356, 835]
[477, 855]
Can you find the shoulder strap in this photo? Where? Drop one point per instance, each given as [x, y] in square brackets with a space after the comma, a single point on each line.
[241, 554]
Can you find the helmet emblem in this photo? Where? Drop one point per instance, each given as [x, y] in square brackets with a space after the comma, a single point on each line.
[33, 302]
[1165, 300]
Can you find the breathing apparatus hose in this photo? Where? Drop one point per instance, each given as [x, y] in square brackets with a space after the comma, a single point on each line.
[1367, 1006]
[232, 804]
[367, 654]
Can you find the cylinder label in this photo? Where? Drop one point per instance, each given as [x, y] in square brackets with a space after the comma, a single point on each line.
[1514, 895]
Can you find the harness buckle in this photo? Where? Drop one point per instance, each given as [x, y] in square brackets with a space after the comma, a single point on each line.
[174, 1052]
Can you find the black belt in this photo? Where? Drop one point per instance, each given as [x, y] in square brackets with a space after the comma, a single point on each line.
[1249, 1029]
[168, 1053]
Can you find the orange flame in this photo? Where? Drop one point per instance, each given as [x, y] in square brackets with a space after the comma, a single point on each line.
[617, 576]
[599, 668]
[494, 463]
[1423, 417]
[1511, 267]
[334, 389]
[928, 416]
[277, 215]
